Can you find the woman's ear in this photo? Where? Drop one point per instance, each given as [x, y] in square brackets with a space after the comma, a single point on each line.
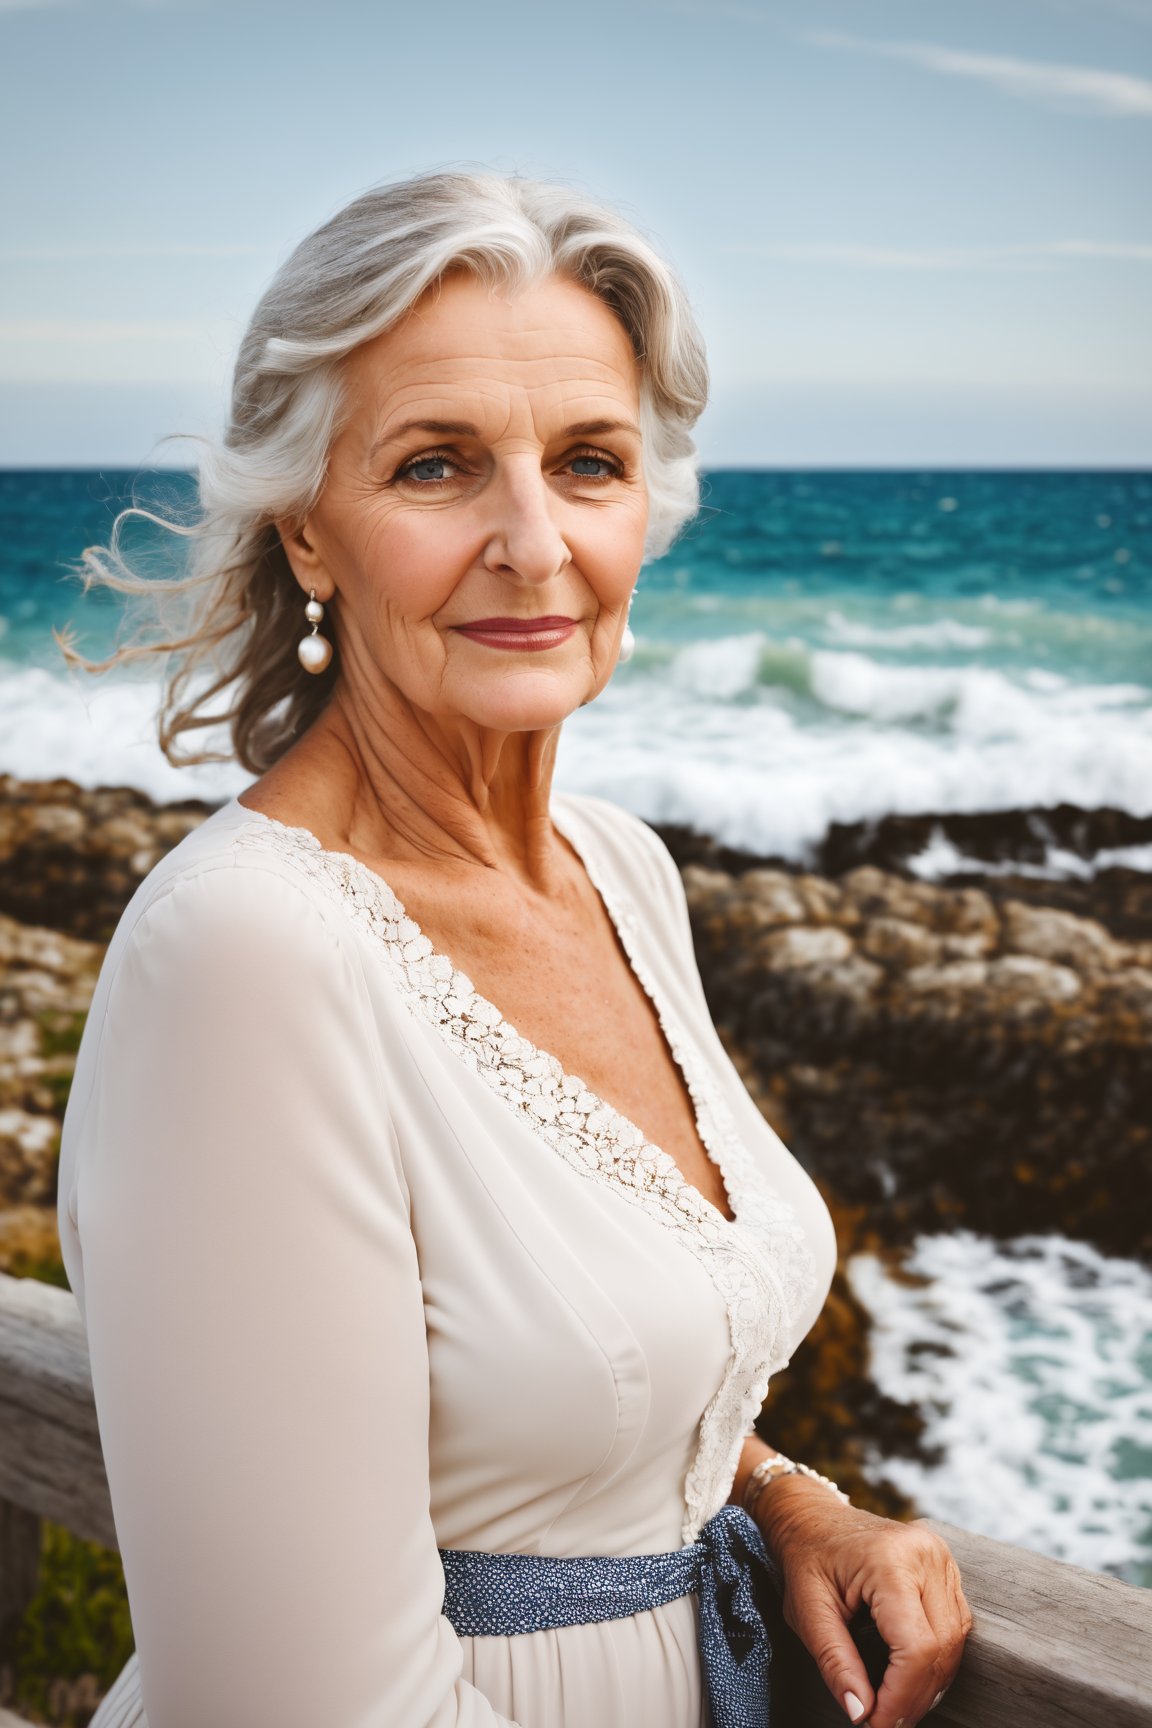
[307, 565]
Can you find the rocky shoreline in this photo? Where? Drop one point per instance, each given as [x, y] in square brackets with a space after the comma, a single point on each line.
[1003, 852]
[938, 1057]
[972, 1053]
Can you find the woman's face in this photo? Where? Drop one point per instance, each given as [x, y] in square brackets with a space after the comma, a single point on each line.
[483, 520]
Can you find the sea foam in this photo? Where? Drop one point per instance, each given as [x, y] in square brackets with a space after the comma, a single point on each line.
[1031, 1361]
[760, 742]
[763, 744]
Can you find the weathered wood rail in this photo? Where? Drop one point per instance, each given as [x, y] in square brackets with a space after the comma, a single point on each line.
[1053, 1646]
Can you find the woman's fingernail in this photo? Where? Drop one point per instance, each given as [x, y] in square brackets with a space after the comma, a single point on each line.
[854, 1707]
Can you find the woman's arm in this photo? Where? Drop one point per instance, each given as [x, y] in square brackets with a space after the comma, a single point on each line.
[256, 1327]
[834, 1559]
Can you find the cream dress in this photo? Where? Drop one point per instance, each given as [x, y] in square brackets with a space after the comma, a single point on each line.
[365, 1274]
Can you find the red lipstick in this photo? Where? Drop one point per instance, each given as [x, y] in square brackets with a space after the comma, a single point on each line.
[521, 635]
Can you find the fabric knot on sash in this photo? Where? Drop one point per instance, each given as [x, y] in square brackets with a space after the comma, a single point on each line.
[735, 1573]
[501, 1595]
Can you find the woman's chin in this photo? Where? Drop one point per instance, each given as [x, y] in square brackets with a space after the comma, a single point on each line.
[528, 701]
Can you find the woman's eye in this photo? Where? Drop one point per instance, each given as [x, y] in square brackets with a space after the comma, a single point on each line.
[426, 470]
[589, 467]
[435, 470]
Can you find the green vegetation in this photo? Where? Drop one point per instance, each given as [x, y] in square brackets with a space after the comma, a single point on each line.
[75, 1636]
[60, 1035]
[77, 1628]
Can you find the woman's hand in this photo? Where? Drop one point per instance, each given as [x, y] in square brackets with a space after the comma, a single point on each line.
[835, 1558]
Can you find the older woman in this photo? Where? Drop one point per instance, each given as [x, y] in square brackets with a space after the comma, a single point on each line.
[433, 1258]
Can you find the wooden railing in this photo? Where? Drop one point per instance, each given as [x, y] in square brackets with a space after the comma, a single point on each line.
[1053, 1646]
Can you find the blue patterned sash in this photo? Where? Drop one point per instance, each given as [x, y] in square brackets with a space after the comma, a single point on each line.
[500, 1595]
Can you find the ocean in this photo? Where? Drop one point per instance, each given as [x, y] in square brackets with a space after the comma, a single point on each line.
[818, 647]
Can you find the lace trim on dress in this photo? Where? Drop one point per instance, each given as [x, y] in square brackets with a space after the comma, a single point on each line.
[760, 1263]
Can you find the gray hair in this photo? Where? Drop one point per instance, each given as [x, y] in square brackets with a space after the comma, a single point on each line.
[349, 281]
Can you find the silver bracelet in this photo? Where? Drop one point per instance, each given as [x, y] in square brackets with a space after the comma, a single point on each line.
[770, 1468]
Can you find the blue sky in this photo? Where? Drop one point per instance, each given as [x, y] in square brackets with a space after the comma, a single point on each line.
[916, 232]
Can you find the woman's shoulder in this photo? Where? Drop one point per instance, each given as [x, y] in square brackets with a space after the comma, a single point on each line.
[622, 842]
[615, 826]
[222, 917]
[235, 880]
[640, 882]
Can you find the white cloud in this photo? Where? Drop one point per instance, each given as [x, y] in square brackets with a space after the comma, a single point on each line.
[1026, 254]
[1070, 89]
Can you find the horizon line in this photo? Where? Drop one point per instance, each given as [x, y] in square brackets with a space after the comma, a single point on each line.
[817, 467]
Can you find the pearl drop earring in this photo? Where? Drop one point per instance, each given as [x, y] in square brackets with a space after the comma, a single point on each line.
[314, 651]
[628, 639]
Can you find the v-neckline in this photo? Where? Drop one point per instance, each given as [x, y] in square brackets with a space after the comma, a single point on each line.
[621, 917]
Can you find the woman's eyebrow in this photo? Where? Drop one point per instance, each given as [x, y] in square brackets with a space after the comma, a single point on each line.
[597, 428]
[437, 428]
[465, 429]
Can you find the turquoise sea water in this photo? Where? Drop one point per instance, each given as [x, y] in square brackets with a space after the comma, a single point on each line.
[816, 647]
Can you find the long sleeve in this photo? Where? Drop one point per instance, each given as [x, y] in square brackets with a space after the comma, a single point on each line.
[255, 1321]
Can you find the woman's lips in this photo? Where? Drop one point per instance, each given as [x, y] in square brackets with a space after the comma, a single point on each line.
[522, 635]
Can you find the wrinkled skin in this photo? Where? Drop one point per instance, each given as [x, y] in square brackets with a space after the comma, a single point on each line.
[837, 1558]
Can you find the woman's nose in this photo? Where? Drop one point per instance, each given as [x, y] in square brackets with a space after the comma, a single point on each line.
[524, 539]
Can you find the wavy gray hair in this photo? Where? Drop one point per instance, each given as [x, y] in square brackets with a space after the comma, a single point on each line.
[233, 618]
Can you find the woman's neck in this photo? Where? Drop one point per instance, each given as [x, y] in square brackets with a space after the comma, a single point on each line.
[388, 782]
